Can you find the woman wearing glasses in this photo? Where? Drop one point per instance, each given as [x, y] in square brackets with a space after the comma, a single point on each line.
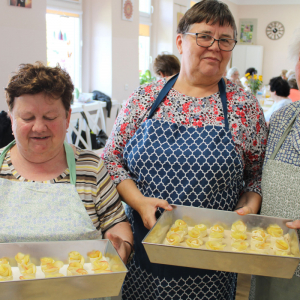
[192, 140]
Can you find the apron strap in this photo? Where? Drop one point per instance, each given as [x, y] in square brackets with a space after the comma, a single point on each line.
[69, 154]
[71, 162]
[222, 90]
[284, 135]
[163, 93]
[5, 150]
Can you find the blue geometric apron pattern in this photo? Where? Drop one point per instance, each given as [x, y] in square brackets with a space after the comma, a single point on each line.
[187, 166]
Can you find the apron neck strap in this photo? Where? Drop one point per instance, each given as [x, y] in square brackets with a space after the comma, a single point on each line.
[69, 155]
[168, 86]
[222, 90]
[5, 150]
[71, 162]
[163, 93]
[284, 135]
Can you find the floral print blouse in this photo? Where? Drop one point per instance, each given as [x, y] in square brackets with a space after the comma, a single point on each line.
[245, 117]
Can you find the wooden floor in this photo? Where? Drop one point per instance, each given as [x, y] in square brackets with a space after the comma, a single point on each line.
[243, 287]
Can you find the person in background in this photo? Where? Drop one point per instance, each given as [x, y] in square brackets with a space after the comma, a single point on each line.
[166, 65]
[280, 91]
[6, 135]
[161, 152]
[244, 80]
[290, 74]
[233, 75]
[294, 91]
[283, 74]
[281, 185]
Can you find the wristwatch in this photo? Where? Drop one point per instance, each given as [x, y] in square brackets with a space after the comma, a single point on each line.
[130, 257]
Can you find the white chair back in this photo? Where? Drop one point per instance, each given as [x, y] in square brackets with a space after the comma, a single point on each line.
[76, 118]
[95, 115]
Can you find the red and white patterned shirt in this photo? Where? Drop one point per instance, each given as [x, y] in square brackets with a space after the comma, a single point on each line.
[245, 117]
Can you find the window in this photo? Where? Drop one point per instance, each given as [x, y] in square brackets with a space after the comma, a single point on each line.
[144, 35]
[144, 48]
[63, 43]
[145, 6]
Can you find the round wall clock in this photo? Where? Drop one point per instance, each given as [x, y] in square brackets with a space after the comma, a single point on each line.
[275, 30]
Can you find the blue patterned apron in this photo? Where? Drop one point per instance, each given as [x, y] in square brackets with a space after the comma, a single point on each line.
[187, 166]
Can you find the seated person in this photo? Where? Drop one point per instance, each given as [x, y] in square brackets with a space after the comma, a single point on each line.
[244, 80]
[166, 65]
[294, 91]
[280, 91]
[283, 74]
[233, 75]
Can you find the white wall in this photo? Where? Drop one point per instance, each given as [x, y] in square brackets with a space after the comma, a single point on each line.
[97, 46]
[164, 24]
[23, 39]
[125, 52]
[275, 52]
[110, 49]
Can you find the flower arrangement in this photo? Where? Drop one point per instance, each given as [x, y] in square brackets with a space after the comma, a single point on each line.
[254, 82]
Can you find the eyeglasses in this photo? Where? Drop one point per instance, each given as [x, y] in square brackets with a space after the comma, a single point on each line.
[206, 41]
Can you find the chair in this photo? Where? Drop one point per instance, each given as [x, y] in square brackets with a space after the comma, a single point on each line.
[95, 118]
[76, 118]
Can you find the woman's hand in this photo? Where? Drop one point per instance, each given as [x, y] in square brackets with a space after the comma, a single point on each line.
[118, 234]
[148, 207]
[123, 249]
[145, 206]
[249, 203]
[293, 225]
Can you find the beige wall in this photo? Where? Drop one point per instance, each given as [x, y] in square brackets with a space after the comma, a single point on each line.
[23, 39]
[110, 49]
[275, 52]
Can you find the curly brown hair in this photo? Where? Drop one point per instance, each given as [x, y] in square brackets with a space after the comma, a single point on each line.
[167, 64]
[36, 78]
[210, 11]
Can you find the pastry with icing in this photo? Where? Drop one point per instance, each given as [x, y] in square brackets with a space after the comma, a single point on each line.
[173, 239]
[194, 242]
[100, 266]
[215, 245]
[75, 256]
[239, 226]
[239, 246]
[203, 230]
[262, 248]
[52, 268]
[238, 236]
[216, 236]
[95, 254]
[217, 228]
[76, 268]
[28, 270]
[5, 272]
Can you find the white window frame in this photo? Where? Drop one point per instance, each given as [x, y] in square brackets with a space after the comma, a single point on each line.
[145, 18]
[71, 6]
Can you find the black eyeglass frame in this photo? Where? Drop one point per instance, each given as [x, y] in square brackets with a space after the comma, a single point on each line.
[196, 34]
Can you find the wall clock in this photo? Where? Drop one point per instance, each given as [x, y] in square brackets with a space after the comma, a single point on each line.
[275, 30]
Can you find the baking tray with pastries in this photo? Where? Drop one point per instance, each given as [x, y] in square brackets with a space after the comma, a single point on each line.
[60, 270]
[222, 240]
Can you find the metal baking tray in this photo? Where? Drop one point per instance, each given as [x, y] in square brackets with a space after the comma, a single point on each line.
[238, 262]
[68, 287]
